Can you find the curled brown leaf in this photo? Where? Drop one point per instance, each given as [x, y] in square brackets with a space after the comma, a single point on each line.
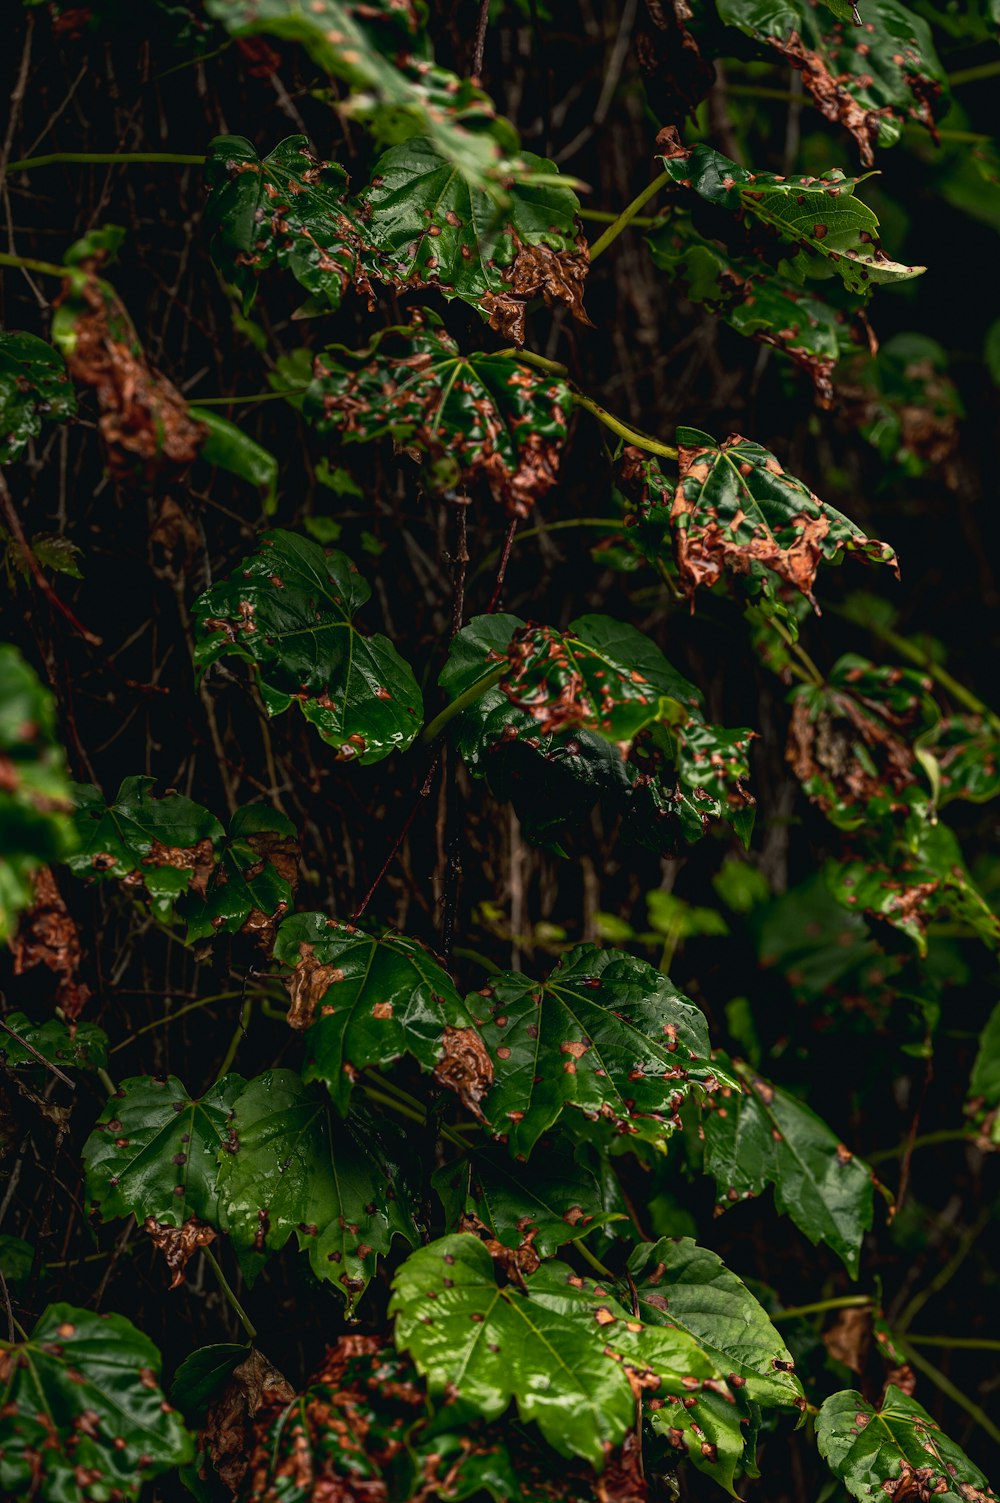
[465, 1067]
[178, 1244]
[48, 936]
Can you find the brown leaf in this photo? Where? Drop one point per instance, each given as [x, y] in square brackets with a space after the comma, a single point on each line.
[821, 746]
[178, 1244]
[307, 986]
[144, 419]
[537, 271]
[831, 98]
[517, 1262]
[198, 859]
[623, 1480]
[47, 935]
[677, 76]
[229, 1434]
[849, 1339]
[465, 1067]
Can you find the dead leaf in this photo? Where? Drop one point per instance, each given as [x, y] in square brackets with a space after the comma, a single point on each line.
[465, 1067]
[677, 76]
[849, 1339]
[307, 986]
[229, 1433]
[178, 1244]
[537, 271]
[47, 935]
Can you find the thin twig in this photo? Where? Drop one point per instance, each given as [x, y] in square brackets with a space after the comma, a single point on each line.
[14, 523]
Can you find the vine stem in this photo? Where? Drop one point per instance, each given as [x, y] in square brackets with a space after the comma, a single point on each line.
[820, 1306]
[434, 727]
[960, 1343]
[940, 675]
[230, 1294]
[237, 1038]
[171, 1016]
[973, 75]
[627, 214]
[623, 430]
[28, 263]
[100, 158]
[924, 1140]
[262, 396]
[952, 1391]
[594, 1262]
[13, 521]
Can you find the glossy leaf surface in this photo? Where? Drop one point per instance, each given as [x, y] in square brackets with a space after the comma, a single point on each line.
[289, 608]
[34, 388]
[77, 1046]
[252, 886]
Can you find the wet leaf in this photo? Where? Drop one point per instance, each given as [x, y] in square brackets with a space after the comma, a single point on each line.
[754, 299]
[83, 1412]
[560, 1199]
[230, 449]
[71, 1046]
[34, 388]
[253, 885]
[289, 608]
[481, 420]
[152, 1154]
[819, 217]
[368, 1002]
[147, 429]
[35, 799]
[288, 210]
[760, 1135]
[427, 227]
[606, 1035]
[291, 1167]
[873, 81]
[678, 1283]
[165, 846]
[380, 51]
[202, 1374]
[966, 749]
[737, 509]
[897, 1450]
[561, 1347]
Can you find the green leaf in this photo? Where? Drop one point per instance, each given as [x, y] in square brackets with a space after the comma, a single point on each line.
[679, 1283]
[676, 779]
[202, 1374]
[286, 209]
[83, 1414]
[753, 299]
[53, 552]
[895, 1450]
[561, 1199]
[35, 797]
[379, 51]
[758, 1135]
[71, 1046]
[606, 1035]
[563, 1349]
[428, 227]
[479, 420]
[967, 751]
[826, 226]
[289, 608]
[17, 1258]
[34, 386]
[872, 89]
[153, 1151]
[736, 509]
[231, 449]
[374, 1001]
[905, 403]
[985, 1079]
[253, 885]
[291, 1166]
[167, 845]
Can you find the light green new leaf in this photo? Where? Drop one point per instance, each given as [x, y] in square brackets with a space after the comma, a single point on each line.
[826, 227]
[291, 1166]
[34, 386]
[760, 1135]
[154, 1148]
[896, 1451]
[289, 608]
[605, 1034]
[374, 1001]
[166, 844]
[82, 1413]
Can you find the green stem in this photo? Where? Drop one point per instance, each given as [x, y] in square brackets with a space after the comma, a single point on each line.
[952, 1391]
[434, 728]
[392, 1103]
[630, 435]
[973, 75]
[925, 1140]
[812, 673]
[28, 263]
[820, 1306]
[922, 659]
[595, 1263]
[960, 1343]
[106, 1080]
[171, 1016]
[607, 524]
[237, 1038]
[605, 216]
[965, 1245]
[230, 1294]
[528, 357]
[627, 214]
[106, 157]
[381, 1083]
[265, 396]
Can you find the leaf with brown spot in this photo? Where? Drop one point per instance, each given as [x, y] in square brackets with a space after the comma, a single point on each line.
[251, 885]
[342, 978]
[484, 421]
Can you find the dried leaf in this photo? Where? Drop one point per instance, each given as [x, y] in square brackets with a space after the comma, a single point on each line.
[849, 1338]
[178, 1244]
[229, 1431]
[48, 936]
